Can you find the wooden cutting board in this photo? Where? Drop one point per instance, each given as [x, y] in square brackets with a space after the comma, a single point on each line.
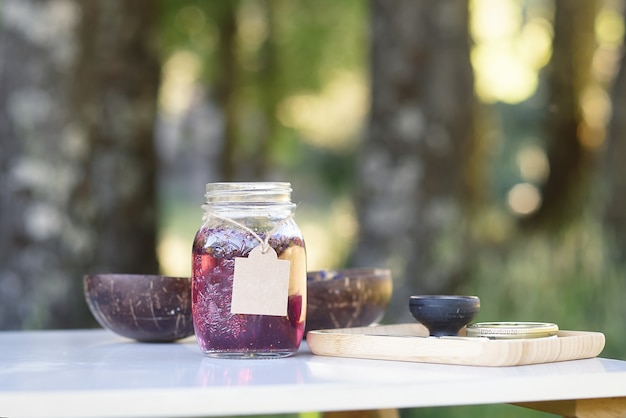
[410, 342]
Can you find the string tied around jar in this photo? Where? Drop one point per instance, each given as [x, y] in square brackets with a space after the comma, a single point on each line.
[264, 242]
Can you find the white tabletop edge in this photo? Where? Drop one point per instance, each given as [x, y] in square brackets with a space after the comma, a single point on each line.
[305, 382]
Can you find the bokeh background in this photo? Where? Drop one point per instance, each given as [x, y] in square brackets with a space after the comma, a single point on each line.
[472, 147]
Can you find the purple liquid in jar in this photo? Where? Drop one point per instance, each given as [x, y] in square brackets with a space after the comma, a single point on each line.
[223, 334]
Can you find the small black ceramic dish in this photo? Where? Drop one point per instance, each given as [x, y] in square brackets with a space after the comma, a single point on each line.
[444, 315]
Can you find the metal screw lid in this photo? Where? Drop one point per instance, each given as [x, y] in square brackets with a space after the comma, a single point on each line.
[512, 330]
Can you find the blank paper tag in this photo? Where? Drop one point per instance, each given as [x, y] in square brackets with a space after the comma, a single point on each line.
[260, 284]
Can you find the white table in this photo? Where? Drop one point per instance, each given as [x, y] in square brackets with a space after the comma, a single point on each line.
[94, 373]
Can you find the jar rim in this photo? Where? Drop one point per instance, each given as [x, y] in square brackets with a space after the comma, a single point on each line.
[249, 186]
[257, 192]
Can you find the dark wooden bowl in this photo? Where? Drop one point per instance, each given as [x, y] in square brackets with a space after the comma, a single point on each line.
[444, 315]
[353, 297]
[141, 307]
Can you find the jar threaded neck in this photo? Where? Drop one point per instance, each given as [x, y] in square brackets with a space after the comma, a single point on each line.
[248, 192]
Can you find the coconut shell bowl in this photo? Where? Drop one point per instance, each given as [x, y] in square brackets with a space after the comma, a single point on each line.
[444, 315]
[147, 308]
[353, 297]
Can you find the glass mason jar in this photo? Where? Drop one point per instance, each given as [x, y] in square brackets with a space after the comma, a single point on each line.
[249, 272]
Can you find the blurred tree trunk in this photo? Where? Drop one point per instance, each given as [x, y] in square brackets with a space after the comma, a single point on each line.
[270, 95]
[225, 13]
[412, 168]
[235, 85]
[78, 86]
[614, 167]
[571, 152]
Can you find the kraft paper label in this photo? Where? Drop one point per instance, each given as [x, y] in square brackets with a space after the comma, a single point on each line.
[260, 284]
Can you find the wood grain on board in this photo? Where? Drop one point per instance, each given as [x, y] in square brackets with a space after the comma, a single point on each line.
[410, 342]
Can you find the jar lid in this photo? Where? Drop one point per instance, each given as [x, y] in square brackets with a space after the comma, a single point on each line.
[512, 330]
